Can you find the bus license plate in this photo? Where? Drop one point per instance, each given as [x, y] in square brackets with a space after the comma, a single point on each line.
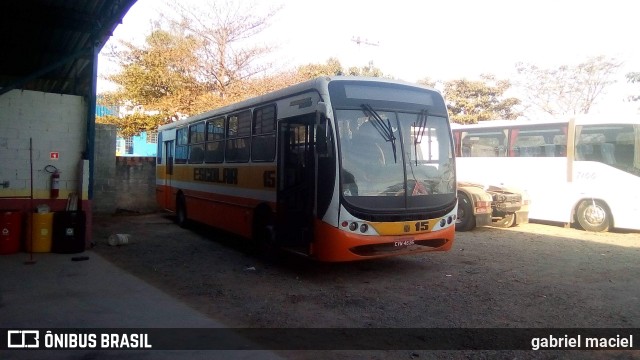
[404, 242]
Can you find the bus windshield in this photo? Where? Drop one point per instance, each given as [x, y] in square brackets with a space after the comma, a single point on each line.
[406, 155]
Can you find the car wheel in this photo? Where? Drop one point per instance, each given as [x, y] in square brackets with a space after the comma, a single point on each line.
[465, 220]
[507, 221]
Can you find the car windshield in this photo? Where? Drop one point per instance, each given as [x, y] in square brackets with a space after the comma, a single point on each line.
[389, 153]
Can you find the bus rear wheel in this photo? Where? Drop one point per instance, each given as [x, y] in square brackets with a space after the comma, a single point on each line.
[465, 220]
[181, 211]
[593, 215]
[264, 236]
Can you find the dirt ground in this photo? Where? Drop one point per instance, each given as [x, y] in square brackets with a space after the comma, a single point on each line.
[533, 275]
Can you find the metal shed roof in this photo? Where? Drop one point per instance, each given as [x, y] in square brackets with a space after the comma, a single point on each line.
[49, 45]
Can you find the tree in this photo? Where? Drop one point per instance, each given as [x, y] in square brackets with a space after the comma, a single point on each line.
[332, 67]
[634, 78]
[367, 70]
[470, 101]
[199, 61]
[427, 81]
[566, 89]
[225, 28]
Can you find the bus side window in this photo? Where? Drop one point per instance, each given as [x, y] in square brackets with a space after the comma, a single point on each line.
[196, 154]
[584, 152]
[549, 150]
[466, 150]
[607, 150]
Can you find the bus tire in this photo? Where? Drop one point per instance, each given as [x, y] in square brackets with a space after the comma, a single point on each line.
[593, 215]
[507, 221]
[263, 234]
[465, 220]
[181, 211]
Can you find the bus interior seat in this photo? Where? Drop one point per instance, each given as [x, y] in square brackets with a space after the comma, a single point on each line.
[549, 150]
[466, 150]
[196, 155]
[607, 150]
[258, 147]
[213, 156]
[624, 154]
[584, 151]
[478, 150]
[529, 151]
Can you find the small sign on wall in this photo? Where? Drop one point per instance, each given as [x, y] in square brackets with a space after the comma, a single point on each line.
[54, 155]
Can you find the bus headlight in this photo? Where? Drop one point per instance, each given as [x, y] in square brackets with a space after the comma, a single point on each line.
[364, 228]
[353, 226]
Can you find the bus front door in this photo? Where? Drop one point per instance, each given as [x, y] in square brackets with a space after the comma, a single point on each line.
[296, 166]
[168, 197]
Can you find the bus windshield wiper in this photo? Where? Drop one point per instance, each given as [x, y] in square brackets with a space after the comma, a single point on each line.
[384, 129]
[420, 127]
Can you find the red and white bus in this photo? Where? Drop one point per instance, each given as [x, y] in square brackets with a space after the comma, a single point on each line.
[332, 168]
[583, 170]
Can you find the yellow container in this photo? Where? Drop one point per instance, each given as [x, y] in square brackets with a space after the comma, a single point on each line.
[41, 232]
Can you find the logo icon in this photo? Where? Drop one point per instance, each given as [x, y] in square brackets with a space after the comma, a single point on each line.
[21, 339]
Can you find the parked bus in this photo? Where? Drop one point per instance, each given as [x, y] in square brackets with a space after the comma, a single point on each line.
[584, 170]
[331, 168]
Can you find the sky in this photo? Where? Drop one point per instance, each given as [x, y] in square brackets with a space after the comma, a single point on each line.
[442, 40]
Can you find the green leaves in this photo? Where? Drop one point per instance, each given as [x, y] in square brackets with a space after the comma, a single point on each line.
[470, 101]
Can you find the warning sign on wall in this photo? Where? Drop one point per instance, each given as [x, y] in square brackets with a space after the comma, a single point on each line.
[54, 155]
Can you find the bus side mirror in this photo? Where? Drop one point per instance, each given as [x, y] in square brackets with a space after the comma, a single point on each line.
[321, 108]
[322, 147]
[322, 130]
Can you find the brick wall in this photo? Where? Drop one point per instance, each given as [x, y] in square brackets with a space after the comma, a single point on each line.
[121, 183]
[104, 170]
[56, 124]
[136, 184]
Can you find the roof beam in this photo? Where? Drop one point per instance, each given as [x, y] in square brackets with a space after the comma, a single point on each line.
[21, 82]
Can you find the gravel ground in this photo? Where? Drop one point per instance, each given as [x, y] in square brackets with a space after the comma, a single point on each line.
[531, 276]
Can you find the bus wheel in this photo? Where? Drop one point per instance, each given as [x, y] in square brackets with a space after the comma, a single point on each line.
[465, 220]
[593, 215]
[264, 236]
[507, 221]
[181, 211]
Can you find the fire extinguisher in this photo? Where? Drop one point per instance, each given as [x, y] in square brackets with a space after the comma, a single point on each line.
[55, 181]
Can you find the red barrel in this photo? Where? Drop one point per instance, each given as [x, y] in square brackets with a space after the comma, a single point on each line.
[10, 225]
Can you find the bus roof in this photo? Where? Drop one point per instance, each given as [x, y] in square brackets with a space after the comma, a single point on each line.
[579, 120]
[319, 84]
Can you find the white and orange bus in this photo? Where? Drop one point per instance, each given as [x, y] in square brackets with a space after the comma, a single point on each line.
[334, 168]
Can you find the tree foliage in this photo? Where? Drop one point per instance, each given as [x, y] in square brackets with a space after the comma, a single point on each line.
[634, 78]
[201, 60]
[367, 70]
[566, 89]
[134, 123]
[225, 29]
[470, 101]
[332, 67]
[427, 81]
